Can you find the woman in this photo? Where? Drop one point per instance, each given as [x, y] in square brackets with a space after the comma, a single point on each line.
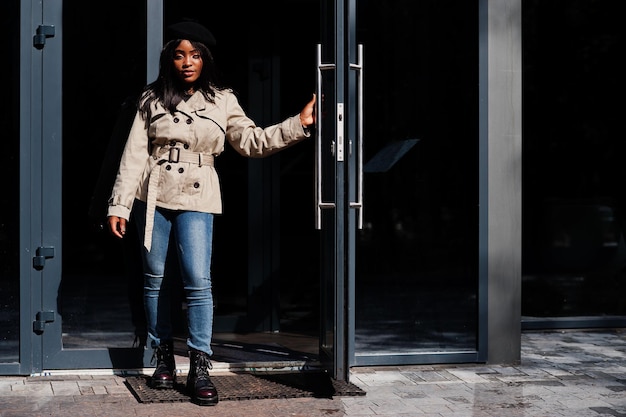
[167, 178]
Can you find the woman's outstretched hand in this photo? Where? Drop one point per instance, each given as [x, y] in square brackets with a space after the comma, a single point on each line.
[307, 115]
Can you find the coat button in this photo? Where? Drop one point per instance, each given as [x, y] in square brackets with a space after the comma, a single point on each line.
[176, 120]
[168, 167]
[196, 185]
[172, 143]
[181, 170]
[188, 121]
[186, 146]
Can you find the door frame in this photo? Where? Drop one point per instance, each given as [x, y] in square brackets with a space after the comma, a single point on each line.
[45, 220]
[333, 123]
[30, 86]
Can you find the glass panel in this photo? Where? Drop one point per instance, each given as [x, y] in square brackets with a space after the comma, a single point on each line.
[273, 73]
[103, 70]
[10, 167]
[299, 240]
[416, 272]
[230, 261]
[574, 180]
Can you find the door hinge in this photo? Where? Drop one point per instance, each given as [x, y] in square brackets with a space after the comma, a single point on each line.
[43, 32]
[42, 317]
[42, 253]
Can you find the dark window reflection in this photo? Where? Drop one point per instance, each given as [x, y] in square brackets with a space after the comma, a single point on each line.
[416, 281]
[100, 296]
[574, 184]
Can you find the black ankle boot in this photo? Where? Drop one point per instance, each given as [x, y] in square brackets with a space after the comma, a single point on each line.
[164, 375]
[199, 385]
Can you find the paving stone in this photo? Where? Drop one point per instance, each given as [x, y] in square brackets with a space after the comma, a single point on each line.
[561, 374]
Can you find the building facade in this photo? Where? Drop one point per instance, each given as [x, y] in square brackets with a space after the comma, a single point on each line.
[462, 186]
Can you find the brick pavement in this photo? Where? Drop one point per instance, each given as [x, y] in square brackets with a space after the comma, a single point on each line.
[570, 373]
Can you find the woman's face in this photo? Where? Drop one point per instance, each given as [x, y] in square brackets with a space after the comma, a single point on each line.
[187, 62]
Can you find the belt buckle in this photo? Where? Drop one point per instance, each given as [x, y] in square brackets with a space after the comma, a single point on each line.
[174, 155]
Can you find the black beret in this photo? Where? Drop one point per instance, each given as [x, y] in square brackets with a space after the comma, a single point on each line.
[192, 31]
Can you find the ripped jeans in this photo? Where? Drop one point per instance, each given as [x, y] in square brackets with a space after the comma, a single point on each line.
[192, 233]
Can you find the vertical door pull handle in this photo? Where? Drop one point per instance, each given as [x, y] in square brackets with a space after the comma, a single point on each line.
[319, 204]
[358, 204]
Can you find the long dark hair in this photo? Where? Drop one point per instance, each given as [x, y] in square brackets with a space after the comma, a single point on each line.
[169, 90]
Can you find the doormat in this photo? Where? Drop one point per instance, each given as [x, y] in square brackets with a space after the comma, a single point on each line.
[245, 386]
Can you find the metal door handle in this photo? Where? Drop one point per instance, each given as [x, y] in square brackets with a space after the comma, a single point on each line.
[359, 138]
[319, 204]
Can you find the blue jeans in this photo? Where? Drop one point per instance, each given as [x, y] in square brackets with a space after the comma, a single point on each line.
[192, 233]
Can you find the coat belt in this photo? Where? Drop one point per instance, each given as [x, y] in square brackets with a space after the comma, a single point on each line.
[174, 155]
[167, 155]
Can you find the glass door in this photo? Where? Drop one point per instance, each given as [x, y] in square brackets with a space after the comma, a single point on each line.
[397, 183]
[91, 314]
[415, 248]
[266, 253]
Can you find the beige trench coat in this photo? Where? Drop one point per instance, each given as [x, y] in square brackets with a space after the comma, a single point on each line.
[168, 161]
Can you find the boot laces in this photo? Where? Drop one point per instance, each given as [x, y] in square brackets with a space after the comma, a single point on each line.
[158, 355]
[202, 367]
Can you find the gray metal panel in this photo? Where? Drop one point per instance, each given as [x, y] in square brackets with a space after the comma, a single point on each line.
[30, 167]
[26, 34]
[483, 179]
[341, 370]
[417, 358]
[154, 39]
[501, 145]
[602, 322]
[111, 358]
[51, 175]
[350, 287]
